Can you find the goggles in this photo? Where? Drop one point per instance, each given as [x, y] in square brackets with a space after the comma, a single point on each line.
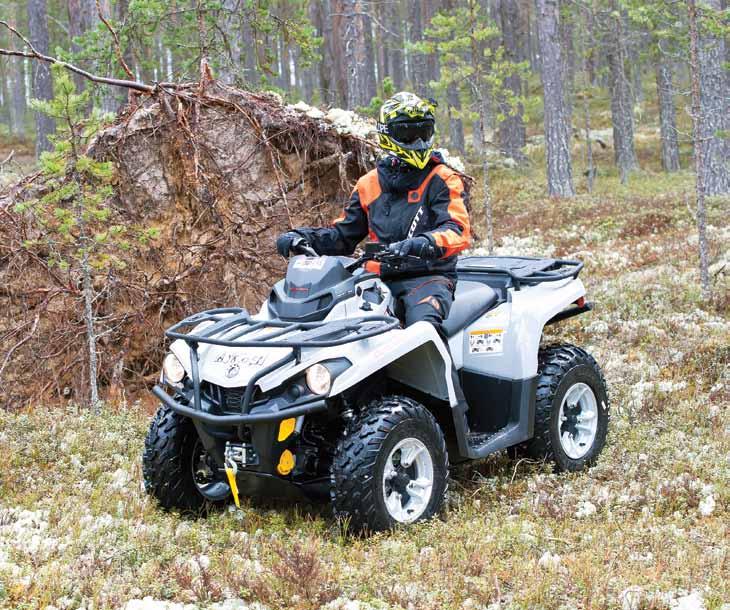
[410, 132]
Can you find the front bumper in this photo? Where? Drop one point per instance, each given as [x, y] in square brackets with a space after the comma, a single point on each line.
[258, 415]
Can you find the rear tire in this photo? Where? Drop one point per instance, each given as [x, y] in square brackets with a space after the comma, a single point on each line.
[390, 467]
[571, 410]
[168, 466]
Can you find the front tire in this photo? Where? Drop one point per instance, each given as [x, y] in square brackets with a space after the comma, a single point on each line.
[390, 467]
[175, 465]
[571, 409]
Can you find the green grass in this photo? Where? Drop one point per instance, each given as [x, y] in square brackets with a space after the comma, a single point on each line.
[76, 530]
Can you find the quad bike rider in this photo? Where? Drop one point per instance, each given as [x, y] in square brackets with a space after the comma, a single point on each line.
[414, 203]
[324, 392]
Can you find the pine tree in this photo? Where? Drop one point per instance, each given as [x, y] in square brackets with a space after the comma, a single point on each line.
[559, 165]
[74, 213]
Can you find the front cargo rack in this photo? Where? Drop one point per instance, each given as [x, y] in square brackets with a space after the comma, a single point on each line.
[226, 320]
[521, 270]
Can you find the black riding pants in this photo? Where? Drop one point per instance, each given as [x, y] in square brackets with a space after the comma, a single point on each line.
[427, 298]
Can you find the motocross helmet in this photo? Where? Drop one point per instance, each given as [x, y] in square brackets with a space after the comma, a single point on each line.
[406, 128]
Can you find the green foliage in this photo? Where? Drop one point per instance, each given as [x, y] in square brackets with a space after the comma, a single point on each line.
[166, 40]
[472, 61]
[74, 212]
[373, 108]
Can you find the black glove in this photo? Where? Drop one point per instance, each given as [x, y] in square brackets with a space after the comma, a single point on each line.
[420, 246]
[285, 241]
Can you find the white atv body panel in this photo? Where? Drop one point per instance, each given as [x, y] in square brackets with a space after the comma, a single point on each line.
[504, 341]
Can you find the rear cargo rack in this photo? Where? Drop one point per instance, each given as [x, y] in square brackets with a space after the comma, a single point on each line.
[236, 323]
[521, 270]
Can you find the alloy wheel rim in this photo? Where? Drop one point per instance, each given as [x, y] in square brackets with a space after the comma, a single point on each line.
[578, 420]
[408, 480]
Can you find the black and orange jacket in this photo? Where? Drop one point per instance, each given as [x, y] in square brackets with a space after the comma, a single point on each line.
[392, 203]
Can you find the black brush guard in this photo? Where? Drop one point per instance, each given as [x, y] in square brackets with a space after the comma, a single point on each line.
[236, 323]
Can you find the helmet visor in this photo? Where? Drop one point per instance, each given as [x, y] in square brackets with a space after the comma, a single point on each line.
[410, 132]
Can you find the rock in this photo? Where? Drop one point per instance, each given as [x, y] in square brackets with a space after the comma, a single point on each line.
[631, 598]
[427, 553]
[548, 561]
[585, 509]
[693, 601]
[707, 506]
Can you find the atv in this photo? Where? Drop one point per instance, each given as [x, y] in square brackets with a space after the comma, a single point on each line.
[323, 393]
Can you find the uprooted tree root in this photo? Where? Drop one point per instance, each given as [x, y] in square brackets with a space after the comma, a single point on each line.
[219, 172]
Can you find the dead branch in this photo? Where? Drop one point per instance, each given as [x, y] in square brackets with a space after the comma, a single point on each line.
[117, 45]
[18, 344]
[35, 54]
[7, 160]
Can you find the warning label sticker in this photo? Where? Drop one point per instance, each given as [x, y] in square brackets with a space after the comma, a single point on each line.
[310, 263]
[486, 341]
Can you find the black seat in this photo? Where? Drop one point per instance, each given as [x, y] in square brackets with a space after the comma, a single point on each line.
[471, 300]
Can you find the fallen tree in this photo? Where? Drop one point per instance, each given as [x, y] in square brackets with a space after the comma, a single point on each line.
[219, 172]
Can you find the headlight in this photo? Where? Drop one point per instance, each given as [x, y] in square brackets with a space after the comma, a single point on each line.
[173, 369]
[319, 379]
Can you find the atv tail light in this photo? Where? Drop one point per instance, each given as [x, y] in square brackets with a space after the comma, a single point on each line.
[581, 301]
[173, 369]
[286, 427]
[319, 379]
[286, 462]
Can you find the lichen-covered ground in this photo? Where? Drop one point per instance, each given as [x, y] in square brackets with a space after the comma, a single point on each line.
[648, 527]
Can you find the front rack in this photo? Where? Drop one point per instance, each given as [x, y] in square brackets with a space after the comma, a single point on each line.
[522, 270]
[309, 334]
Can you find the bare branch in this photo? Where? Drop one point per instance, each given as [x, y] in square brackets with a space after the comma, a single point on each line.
[117, 45]
[34, 54]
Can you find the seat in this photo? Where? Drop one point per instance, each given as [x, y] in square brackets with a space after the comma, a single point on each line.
[471, 300]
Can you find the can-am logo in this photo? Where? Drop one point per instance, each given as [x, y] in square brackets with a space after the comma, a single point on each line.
[241, 359]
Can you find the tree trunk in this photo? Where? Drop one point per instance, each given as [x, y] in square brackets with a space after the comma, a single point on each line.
[559, 168]
[358, 54]
[667, 113]
[456, 128]
[335, 39]
[5, 104]
[75, 29]
[249, 48]
[700, 148]
[18, 103]
[568, 64]
[90, 333]
[16, 72]
[393, 44]
[714, 117]
[622, 116]
[231, 61]
[42, 82]
[511, 133]
[433, 66]
[285, 61]
[417, 70]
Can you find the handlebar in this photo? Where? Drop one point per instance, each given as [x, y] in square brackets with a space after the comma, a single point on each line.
[301, 246]
[374, 251]
[380, 253]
